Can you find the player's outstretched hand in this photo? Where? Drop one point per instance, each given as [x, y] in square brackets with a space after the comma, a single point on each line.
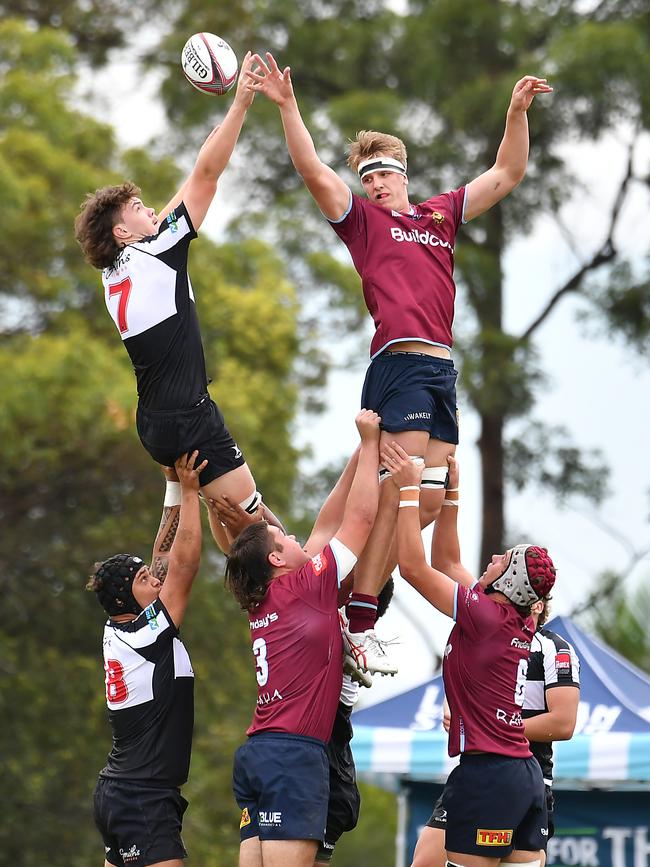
[525, 90]
[245, 93]
[267, 78]
[367, 423]
[232, 516]
[403, 470]
[188, 474]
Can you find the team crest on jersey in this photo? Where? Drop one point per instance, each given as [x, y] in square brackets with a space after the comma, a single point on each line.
[437, 217]
[152, 617]
[319, 562]
[493, 838]
[172, 219]
[245, 818]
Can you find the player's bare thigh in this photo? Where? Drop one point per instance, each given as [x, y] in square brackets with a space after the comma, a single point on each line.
[430, 848]
[238, 485]
[250, 853]
[288, 853]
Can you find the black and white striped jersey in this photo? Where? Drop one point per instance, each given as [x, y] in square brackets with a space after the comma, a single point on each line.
[150, 698]
[149, 296]
[553, 662]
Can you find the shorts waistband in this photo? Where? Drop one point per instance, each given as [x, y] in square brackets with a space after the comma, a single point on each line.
[288, 736]
[420, 356]
[204, 398]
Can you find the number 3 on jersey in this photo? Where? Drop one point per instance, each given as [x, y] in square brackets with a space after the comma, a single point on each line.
[259, 649]
[123, 289]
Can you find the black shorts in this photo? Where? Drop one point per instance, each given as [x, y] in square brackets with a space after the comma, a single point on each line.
[495, 804]
[281, 784]
[140, 825]
[344, 800]
[413, 391]
[168, 434]
[550, 811]
[438, 819]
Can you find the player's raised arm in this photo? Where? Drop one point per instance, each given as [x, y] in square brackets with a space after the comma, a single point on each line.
[185, 554]
[168, 525]
[330, 516]
[445, 547]
[512, 156]
[198, 190]
[332, 195]
[362, 501]
[437, 588]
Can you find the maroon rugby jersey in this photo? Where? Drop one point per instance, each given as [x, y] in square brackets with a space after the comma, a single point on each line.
[406, 264]
[298, 647]
[484, 672]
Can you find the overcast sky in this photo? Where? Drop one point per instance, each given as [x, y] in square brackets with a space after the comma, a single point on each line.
[597, 388]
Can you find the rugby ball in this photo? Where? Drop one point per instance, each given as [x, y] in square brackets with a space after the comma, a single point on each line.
[209, 63]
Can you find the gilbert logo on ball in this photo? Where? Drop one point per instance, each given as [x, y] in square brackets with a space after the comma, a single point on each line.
[209, 63]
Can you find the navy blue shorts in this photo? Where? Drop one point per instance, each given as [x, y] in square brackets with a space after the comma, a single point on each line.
[413, 391]
[281, 784]
[139, 825]
[168, 434]
[438, 819]
[495, 804]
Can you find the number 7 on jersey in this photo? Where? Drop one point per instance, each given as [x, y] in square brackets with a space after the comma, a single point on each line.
[123, 289]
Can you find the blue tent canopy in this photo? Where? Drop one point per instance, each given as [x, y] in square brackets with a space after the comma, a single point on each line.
[404, 735]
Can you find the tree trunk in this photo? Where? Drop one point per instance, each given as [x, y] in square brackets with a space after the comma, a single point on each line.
[491, 449]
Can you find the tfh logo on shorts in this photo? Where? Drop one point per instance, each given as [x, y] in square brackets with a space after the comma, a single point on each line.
[493, 838]
[130, 855]
[270, 819]
[319, 563]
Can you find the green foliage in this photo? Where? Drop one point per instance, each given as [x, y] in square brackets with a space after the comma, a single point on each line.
[77, 486]
[621, 618]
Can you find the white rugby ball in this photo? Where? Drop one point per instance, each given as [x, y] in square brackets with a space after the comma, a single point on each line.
[209, 63]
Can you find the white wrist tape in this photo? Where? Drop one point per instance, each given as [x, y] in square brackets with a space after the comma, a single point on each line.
[172, 494]
[410, 488]
[450, 502]
[404, 503]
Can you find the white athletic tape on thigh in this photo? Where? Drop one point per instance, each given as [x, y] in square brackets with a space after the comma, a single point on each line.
[251, 503]
[172, 494]
[405, 503]
[435, 478]
[523, 863]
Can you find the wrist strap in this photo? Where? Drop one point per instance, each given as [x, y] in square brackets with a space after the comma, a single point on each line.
[172, 494]
[404, 503]
[410, 488]
[453, 490]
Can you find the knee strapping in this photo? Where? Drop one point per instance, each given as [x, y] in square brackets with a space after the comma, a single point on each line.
[435, 478]
[251, 503]
[384, 473]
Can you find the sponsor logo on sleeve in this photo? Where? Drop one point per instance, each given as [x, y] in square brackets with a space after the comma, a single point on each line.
[152, 617]
[319, 562]
[172, 219]
[563, 662]
[486, 837]
[245, 818]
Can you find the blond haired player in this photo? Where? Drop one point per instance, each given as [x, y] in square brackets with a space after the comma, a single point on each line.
[404, 254]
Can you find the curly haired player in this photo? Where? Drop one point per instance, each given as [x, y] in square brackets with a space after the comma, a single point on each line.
[495, 798]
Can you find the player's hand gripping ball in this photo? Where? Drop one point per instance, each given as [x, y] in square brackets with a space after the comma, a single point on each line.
[209, 63]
